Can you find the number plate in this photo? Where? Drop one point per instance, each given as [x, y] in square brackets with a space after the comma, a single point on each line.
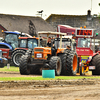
[91, 67]
[39, 55]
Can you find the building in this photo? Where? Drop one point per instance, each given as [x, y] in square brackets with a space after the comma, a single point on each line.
[26, 24]
[75, 21]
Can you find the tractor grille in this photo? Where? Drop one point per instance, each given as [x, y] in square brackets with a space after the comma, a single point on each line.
[39, 50]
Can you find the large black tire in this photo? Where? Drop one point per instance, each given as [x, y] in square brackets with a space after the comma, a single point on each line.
[71, 64]
[96, 62]
[63, 58]
[16, 55]
[23, 66]
[55, 63]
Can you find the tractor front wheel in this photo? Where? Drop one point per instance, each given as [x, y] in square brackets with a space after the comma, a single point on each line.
[24, 68]
[16, 55]
[71, 64]
[55, 63]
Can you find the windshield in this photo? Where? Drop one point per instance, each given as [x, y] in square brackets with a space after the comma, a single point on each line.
[32, 43]
[84, 42]
[65, 42]
[12, 39]
[23, 43]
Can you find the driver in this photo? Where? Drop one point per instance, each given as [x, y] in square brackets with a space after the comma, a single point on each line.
[49, 45]
[49, 42]
[68, 47]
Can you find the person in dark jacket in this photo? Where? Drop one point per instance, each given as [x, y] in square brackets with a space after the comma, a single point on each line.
[53, 47]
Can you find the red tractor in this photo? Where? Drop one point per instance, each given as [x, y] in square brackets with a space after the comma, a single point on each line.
[85, 48]
[24, 44]
[10, 42]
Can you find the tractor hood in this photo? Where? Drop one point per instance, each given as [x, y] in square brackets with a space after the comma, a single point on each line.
[42, 49]
[42, 52]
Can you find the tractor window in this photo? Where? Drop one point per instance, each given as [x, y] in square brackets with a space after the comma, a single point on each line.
[23, 43]
[32, 43]
[12, 39]
[64, 44]
[84, 42]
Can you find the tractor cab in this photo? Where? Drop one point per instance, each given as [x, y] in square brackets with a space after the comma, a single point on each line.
[28, 42]
[67, 42]
[24, 44]
[11, 38]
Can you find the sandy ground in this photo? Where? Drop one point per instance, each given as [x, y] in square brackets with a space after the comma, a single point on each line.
[84, 89]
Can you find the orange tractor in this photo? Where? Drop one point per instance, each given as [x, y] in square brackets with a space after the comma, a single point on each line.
[57, 57]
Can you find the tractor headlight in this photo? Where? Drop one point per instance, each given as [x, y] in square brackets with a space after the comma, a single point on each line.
[39, 55]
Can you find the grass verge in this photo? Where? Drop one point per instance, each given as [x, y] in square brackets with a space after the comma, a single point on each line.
[10, 69]
[40, 78]
[16, 69]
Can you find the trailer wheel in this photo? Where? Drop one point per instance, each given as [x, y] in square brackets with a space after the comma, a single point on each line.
[55, 63]
[82, 69]
[16, 55]
[71, 64]
[23, 66]
[96, 62]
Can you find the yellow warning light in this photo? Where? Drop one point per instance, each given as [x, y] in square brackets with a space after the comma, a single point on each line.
[84, 26]
[80, 27]
[34, 36]
[37, 38]
[15, 48]
[2, 30]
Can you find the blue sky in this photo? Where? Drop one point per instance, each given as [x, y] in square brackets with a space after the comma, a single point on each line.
[67, 7]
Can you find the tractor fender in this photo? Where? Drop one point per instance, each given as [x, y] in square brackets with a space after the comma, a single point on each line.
[6, 44]
[19, 49]
[94, 54]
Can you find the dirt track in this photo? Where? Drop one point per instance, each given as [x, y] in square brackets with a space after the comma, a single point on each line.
[83, 89]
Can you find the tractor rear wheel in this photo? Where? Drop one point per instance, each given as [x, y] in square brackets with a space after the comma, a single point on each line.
[71, 64]
[16, 55]
[23, 66]
[55, 63]
[96, 62]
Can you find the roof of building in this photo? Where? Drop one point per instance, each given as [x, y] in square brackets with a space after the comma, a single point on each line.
[21, 23]
[63, 15]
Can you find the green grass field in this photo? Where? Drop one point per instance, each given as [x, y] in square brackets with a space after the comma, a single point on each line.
[12, 69]
[16, 69]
